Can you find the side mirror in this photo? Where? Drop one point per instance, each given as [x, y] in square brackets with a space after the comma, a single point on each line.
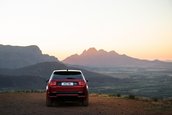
[86, 80]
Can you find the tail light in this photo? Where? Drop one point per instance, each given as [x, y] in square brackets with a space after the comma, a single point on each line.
[52, 83]
[81, 83]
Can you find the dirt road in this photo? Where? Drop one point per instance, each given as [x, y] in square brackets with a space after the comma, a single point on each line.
[34, 104]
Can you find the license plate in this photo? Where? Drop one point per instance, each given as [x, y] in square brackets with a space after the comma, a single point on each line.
[67, 84]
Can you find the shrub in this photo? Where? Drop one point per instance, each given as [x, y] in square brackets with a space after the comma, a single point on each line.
[118, 95]
[131, 97]
[155, 99]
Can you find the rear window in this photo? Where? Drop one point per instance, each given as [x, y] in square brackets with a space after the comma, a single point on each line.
[67, 75]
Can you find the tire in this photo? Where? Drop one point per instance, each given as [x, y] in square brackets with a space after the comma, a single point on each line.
[85, 102]
[48, 102]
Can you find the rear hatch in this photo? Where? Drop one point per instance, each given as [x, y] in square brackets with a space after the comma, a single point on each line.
[67, 83]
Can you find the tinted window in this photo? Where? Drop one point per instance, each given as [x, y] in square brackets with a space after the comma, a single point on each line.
[67, 75]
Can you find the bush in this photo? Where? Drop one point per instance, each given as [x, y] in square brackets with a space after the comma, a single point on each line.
[114, 95]
[155, 99]
[131, 97]
[118, 95]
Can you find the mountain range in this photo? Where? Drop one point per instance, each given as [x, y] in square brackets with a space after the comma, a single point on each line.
[102, 58]
[20, 56]
[29, 69]
[23, 68]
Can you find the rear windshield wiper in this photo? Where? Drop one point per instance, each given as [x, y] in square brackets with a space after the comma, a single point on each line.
[70, 78]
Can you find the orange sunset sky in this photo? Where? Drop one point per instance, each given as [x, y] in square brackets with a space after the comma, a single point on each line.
[137, 28]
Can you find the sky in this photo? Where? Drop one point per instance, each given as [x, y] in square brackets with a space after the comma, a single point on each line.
[137, 28]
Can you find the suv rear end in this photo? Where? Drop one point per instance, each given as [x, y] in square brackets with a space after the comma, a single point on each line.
[67, 85]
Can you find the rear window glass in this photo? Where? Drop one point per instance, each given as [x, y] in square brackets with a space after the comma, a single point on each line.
[67, 75]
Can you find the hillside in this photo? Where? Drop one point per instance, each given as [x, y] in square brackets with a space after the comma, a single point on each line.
[29, 77]
[23, 82]
[43, 71]
[20, 56]
[101, 58]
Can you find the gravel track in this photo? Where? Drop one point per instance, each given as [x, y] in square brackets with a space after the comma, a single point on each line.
[34, 104]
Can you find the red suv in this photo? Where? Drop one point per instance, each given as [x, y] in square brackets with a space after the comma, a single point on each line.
[67, 85]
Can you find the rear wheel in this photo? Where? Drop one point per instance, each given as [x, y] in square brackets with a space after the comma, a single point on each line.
[48, 102]
[85, 102]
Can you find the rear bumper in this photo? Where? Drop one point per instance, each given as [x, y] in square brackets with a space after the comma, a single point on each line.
[59, 92]
[66, 94]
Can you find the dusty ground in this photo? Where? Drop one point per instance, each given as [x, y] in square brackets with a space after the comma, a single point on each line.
[34, 104]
